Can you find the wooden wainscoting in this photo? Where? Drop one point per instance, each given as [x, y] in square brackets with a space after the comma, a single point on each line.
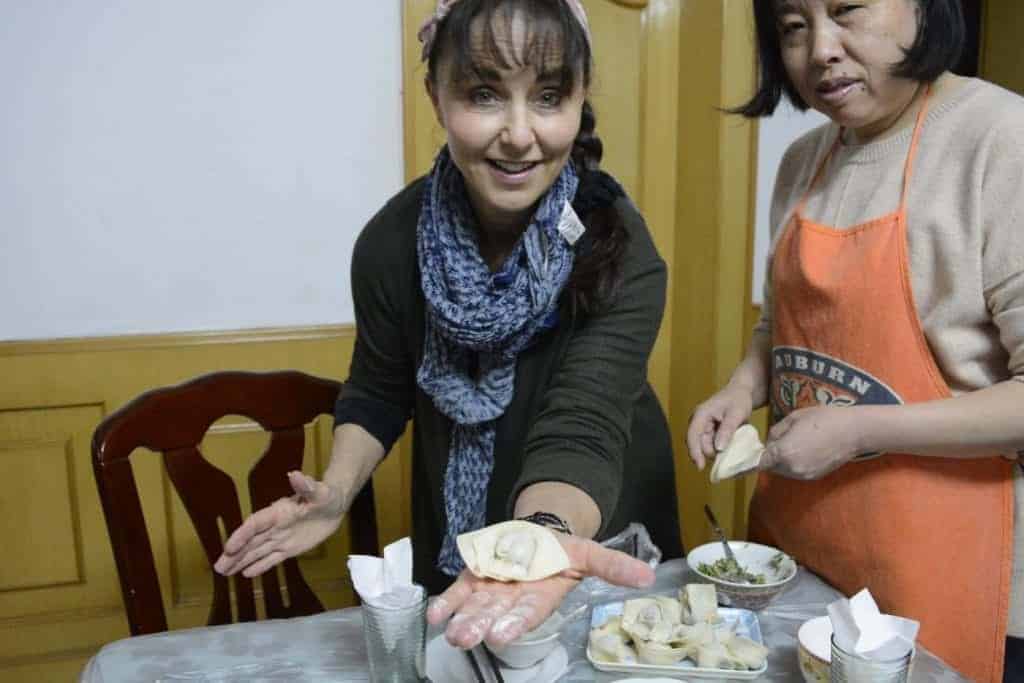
[59, 594]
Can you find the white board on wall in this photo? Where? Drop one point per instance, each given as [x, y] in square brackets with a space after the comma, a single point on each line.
[775, 133]
[190, 165]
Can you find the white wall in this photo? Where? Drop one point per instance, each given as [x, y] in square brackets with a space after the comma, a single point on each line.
[775, 133]
[172, 165]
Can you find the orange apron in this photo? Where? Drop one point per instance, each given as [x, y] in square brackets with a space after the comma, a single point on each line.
[931, 537]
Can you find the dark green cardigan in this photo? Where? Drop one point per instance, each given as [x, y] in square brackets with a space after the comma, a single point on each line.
[582, 413]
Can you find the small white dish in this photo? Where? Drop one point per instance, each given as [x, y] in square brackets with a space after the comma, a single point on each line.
[814, 649]
[449, 664]
[525, 652]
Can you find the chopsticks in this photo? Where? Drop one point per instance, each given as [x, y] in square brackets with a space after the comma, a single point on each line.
[495, 667]
[492, 663]
[476, 667]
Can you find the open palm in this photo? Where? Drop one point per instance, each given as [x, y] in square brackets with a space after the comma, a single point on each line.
[499, 612]
[286, 528]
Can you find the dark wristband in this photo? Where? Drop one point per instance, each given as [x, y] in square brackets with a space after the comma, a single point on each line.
[549, 520]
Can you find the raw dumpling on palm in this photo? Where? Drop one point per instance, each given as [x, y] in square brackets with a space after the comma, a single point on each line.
[513, 551]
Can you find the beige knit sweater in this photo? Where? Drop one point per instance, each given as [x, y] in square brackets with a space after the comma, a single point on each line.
[965, 216]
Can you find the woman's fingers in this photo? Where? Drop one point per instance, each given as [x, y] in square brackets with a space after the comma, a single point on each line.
[446, 604]
[612, 566]
[528, 613]
[271, 559]
[470, 625]
[707, 445]
[303, 485]
[730, 423]
[252, 532]
[255, 552]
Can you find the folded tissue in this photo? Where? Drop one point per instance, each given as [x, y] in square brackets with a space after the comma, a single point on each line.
[860, 628]
[387, 581]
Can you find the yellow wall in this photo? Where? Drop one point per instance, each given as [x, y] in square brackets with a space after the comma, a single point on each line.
[1002, 57]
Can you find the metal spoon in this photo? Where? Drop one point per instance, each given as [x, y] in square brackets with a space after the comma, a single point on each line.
[720, 535]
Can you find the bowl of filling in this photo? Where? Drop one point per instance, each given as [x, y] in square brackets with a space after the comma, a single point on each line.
[759, 573]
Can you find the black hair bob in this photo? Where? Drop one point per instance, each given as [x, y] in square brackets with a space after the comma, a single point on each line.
[941, 34]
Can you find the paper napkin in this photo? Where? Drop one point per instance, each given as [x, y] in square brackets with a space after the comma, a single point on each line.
[861, 628]
[387, 581]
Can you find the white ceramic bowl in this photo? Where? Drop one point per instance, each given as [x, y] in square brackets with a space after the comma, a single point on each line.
[814, 649]
[753, 557]
[533, 646]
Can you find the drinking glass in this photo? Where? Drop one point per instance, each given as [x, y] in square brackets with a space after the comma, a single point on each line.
[396, 641]
[850, 667]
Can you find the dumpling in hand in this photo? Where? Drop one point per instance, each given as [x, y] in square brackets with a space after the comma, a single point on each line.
[742, 455]
[654, 618]
[513, 551]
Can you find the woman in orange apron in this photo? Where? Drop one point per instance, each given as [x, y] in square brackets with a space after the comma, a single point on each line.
[896, 293]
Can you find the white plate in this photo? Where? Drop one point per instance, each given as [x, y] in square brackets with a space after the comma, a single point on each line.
[745, 622]
[449, 664]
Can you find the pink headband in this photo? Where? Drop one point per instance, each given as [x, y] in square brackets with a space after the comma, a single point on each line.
[429, 29]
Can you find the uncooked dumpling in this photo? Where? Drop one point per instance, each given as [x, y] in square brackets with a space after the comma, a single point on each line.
[745, 651]
[654, 618]
[742, 455]
[609, 643]
[714, 655]
[651, 652]
[700, 602]
[513, 551]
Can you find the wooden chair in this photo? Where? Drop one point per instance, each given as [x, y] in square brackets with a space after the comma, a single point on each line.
[173, 421]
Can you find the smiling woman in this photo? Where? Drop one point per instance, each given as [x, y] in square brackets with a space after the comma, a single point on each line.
[509, 300]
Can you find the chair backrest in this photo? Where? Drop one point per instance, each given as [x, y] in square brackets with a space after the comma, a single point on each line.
[173, 421]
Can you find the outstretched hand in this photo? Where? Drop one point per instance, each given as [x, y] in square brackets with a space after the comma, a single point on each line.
[284, 529]
[499, 612]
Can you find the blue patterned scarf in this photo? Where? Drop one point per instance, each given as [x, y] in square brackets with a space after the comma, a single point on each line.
[477, 323]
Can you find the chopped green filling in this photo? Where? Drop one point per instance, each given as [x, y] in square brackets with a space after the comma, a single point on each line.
[730, 570]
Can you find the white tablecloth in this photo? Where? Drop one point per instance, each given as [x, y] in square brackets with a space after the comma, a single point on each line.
[329, 646]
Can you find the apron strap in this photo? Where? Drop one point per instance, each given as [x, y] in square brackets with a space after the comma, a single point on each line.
[907, 168]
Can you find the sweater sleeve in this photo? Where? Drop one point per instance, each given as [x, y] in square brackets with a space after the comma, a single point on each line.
[583, 427]
[378, 394]
[1003, 234]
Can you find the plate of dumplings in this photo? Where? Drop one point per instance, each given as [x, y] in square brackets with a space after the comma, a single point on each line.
[685, 634]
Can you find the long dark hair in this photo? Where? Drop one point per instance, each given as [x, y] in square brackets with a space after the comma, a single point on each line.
[554, 30]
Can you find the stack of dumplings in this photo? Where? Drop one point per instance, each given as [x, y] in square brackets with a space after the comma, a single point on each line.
[663, 630]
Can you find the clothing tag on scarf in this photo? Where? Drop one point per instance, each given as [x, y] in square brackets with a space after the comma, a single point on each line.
[570, 226]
